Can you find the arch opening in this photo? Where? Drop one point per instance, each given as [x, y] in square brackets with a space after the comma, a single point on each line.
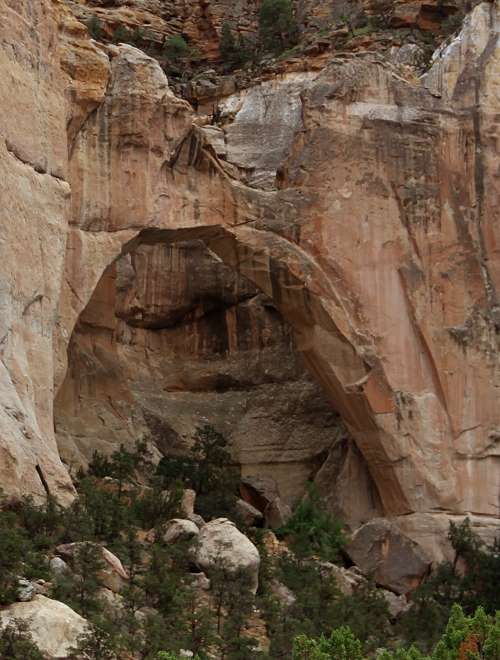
[181, 330]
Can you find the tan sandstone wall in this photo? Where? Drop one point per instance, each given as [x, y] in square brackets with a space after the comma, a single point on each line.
[34, 194]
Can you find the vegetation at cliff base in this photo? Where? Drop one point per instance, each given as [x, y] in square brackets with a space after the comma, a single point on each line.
[341, 645]
[167, 606]
[470, 580]
[208, 470]
[476, 637]
[312, 531]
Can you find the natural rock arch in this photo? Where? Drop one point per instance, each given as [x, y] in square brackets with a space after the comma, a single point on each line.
[300, 292]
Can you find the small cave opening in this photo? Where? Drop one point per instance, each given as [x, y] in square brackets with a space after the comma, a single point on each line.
[174, 338]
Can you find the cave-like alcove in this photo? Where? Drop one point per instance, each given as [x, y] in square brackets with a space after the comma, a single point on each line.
[173, 338]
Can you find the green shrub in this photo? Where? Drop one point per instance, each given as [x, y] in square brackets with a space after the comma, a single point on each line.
[277, 25]
[126, 36]
[228, 45]
[13, 546]
[122, 465]
[42, 523]
[232, 607]
[350, 13]
[234, 52]
[320, 607]
[94, 27]
[97, 643]
[466, 638]
[313, 531]
[163, 579]
[453, 23]
[175, 48]
[121, 35]
[154, 506]
[106, 510]
[341, 645]
[476, 587]
[16, 642]
[402, 654]
[207, 470]
[20, 553]
[79, 588]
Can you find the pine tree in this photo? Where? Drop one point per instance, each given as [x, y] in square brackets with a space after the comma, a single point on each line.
[227, 43]
[79, 588]
[277, 25]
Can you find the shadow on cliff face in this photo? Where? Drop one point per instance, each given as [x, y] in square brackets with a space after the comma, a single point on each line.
[173, 337]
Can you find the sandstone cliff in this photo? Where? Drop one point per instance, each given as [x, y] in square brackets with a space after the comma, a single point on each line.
[348, 214]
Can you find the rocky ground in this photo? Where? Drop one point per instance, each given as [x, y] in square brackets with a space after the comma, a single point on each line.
[132, 570]
[124, 591]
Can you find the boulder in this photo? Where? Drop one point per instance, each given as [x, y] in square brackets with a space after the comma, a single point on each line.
[277, 514]
[199, 581]
[258, 491]
[113, 575]
[25, 590]
[397, 605]
[262, 493]
[197, 519]
[54, 627]
[42, 587]
[58, 566]
[221, 543]
[187, 502]
[347, 579]
[248, 513]
[178, 529]
[393, 560]
[408, 55]
[282, 593]
[113, 602]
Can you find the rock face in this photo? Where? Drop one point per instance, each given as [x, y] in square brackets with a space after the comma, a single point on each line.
[34, 220]
[366, 240]
[54, 627]
[222, 546]
[391, 559]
